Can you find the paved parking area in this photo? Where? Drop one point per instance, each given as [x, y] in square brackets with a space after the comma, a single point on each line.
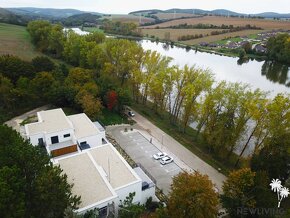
[141, 151]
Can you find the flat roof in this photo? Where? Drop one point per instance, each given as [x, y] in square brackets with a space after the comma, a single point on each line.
[83, 126]
[87, 179]
[119, 173]
[50, 121]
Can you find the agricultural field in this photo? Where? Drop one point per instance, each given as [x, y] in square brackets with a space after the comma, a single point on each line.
[235, 21]
[166, 16]
[266, 25]
[128, 18]
[15, 40]
[175, 33]
[210, 39]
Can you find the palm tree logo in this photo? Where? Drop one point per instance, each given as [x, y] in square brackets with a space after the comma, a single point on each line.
[282, 192]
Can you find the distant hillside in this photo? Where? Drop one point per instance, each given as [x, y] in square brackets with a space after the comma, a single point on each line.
[80, 19]
[222, 12]
[8, 17]
[273, 15]
[47, 12]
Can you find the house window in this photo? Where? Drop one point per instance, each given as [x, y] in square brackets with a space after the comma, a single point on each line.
[66, 135]
[54, 139]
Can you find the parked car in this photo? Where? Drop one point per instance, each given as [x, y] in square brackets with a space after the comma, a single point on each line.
[166, 160]
[131, 114]
[159, 155]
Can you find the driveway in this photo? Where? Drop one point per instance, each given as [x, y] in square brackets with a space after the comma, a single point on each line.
[183, 154]
[139, 148]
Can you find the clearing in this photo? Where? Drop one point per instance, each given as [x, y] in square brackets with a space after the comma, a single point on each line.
[15, 40]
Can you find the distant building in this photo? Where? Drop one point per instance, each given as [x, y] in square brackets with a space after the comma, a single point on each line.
[260, 49]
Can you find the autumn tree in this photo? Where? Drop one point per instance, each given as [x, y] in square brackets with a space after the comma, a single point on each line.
[238, 191]
[192, 195]
[122, 58]
[112, 99]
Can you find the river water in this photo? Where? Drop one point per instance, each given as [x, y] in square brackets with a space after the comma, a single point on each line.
[268, 76]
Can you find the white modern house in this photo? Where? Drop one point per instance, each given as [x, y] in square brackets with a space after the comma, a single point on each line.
[62, 134]
[101, 176]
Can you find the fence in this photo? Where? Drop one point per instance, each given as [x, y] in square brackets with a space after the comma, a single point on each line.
[147, 173]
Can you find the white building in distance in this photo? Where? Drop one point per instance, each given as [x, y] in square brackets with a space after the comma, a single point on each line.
[100, 175]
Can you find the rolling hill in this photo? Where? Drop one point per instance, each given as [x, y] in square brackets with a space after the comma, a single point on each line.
[48, 12]
[222, 12]
[9, 17]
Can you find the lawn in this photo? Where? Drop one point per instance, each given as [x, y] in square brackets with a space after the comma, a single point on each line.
[196, 145]
[111, 118]
[15, 40]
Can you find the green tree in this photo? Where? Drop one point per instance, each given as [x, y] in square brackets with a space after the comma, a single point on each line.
[30, 184]
[39, 31]
[278, 48]
[130, 210]
[42, 63]
[192, 195]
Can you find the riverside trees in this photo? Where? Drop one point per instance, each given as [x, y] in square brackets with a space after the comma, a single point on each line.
[225, 114]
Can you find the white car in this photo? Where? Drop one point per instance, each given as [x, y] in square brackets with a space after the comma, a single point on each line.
[166, 160]
[159, 155]
[131, 114]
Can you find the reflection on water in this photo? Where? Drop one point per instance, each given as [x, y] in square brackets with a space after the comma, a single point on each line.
[276, 72]
[268, 76]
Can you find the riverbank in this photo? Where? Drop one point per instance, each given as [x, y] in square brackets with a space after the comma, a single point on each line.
[226, 52]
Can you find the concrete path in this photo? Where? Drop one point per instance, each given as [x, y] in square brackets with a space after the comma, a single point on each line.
[183, 154]
[15, 122]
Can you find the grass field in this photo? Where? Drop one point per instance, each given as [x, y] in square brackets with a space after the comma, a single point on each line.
[235, 21]
[15, 40]
[174, 33]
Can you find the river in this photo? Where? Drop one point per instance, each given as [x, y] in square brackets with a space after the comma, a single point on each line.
[265, 75]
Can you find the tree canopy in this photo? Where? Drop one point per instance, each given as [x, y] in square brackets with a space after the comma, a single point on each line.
[30, 184]
[192, 195]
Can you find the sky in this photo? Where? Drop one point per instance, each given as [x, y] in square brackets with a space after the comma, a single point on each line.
[126, 6]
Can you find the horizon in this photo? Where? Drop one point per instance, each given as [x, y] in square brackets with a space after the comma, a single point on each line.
[117, 7]
[151, 9]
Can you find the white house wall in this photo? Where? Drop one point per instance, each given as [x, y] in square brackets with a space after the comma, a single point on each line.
[60, 135]
[34, 138]
[147, 193]
[95, 140]
[134, 187]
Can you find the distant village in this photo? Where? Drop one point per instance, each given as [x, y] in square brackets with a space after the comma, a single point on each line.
[259, 44]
